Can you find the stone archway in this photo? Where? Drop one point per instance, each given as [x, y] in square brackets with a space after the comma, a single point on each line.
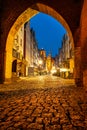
[24, 17]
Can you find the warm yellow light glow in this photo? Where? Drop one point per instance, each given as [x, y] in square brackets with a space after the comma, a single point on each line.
[40, 62]
[64, 69]
[53, 71]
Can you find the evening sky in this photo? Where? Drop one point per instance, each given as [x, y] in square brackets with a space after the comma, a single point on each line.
[48, 31]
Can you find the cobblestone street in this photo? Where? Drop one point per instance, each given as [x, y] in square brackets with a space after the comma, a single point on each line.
[43, 103]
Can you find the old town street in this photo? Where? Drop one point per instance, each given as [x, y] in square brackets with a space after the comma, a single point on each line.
[43, 103]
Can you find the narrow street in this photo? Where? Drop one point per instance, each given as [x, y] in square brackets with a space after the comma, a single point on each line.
[43, 103]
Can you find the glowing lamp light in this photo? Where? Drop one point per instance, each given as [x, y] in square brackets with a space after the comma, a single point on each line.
[40, 62]
[64, 69]
[53, 70]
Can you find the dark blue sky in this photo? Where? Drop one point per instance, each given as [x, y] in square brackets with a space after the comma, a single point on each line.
[48, 31]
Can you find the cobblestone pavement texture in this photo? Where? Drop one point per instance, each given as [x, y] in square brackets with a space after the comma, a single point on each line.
[43, 103]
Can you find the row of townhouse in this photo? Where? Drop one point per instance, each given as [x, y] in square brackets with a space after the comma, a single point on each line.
[25, 52]
[47, 66]
[65, 59]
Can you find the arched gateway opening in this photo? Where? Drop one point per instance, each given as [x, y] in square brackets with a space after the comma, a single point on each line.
[24, 17]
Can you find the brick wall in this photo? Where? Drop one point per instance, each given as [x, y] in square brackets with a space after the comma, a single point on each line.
[84, 42]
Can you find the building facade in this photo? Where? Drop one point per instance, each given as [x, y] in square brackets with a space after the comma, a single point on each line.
[31, 50]
[17, 53]
[66, 58]
[25, 52]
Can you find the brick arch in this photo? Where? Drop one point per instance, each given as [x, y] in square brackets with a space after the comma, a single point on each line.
[24, 17]
[30, 12]
[70, 10]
